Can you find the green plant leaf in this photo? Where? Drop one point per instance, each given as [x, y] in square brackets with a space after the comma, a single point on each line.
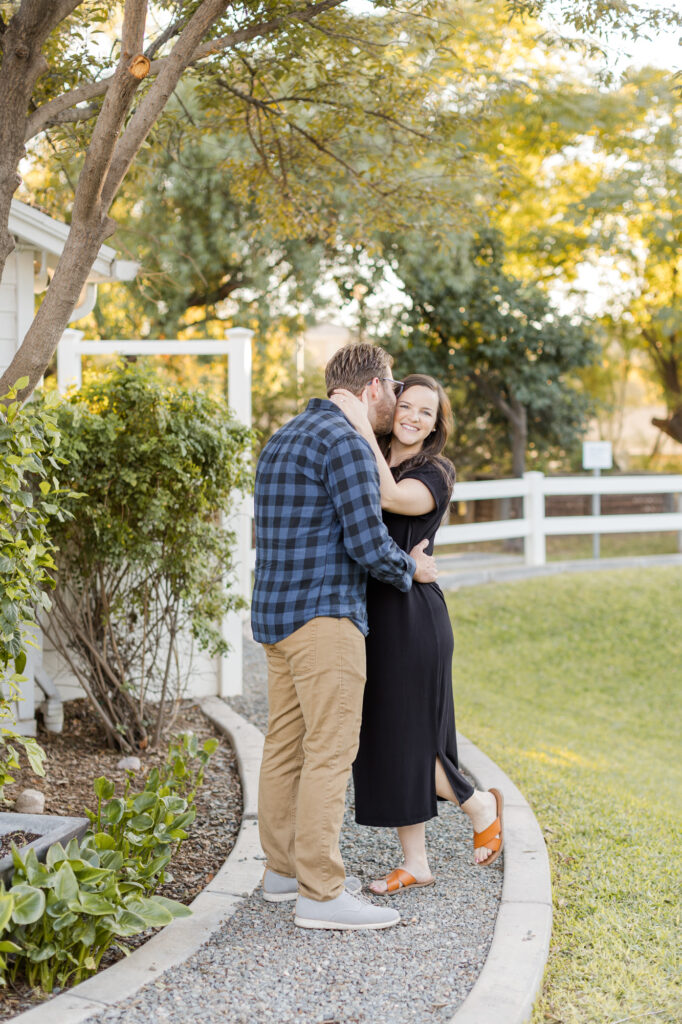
[65, 885]
[6, 904]
[93, 903]
[114, 811]
[154, 914]
[29, 904]
[104, 788]
[173, 907]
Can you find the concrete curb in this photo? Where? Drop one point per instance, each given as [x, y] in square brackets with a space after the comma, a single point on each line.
[236, 880]
[473, 577]
[508, 985]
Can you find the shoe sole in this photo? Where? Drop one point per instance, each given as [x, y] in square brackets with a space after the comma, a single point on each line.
[311, 922]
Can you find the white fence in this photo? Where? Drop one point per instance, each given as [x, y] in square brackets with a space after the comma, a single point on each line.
[535, 526]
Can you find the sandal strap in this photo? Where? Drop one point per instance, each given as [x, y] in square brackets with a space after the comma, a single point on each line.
[489, 836]
[399, 879]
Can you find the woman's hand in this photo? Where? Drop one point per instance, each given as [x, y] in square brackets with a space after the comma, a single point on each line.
[354, 409]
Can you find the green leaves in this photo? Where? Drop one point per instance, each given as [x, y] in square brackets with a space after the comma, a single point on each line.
[29, 904]
[159, 466]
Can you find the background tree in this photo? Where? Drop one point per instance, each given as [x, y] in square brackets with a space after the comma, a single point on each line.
[480, 328]
[235, 52]
[53, 75]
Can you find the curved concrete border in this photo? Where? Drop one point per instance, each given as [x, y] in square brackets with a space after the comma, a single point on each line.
[508, 985]
[236, 880]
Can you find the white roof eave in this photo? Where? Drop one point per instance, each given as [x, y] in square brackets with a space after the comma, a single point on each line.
[31, 227]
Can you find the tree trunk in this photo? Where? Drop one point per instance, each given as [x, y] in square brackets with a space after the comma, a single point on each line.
[519, 438]
[672, 426]
[52, 318]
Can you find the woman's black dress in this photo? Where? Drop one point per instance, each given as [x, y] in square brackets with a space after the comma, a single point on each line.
[408, 716]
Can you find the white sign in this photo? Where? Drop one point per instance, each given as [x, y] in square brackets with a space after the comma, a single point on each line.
[597, 455]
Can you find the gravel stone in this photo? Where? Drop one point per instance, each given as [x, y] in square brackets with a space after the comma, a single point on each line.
[30, 801]
[129, 764]
[260, 967]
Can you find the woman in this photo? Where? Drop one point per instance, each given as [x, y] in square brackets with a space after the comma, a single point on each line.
[408, 751]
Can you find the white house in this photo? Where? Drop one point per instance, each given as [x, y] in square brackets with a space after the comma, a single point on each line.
[39, 243]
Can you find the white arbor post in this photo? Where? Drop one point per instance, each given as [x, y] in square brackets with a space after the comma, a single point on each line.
[69, 361]
[534, 512]
[239, 400]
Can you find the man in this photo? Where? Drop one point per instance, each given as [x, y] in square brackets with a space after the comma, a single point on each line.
[319, 532]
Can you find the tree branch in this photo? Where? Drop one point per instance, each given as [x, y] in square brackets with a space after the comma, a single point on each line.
[43, 116]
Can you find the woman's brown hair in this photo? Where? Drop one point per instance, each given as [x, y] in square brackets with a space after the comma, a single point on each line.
[437, 439]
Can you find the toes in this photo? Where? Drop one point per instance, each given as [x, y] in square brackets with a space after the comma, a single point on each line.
[378, 887]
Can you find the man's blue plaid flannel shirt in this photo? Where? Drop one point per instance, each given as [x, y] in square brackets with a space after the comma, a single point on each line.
[319, 529]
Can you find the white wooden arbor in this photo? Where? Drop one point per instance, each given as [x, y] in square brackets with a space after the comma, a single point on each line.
[39, 242]
[236, 346]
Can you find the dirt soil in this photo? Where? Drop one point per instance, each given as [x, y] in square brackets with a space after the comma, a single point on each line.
[78, 755]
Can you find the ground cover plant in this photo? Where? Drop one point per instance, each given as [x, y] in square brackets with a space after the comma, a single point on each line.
[570, 684]
[80, 754]
[59, 918]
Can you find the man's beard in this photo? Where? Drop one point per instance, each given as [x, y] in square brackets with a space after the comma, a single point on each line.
[383, 416]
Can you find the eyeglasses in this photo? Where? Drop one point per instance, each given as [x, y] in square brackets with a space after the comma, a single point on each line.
[397, 385]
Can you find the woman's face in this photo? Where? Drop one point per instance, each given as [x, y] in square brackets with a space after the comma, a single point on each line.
[415, 416]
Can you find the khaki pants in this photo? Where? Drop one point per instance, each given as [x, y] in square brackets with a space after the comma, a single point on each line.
[316, 679]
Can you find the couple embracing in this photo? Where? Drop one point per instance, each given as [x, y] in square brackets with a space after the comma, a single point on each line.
[344, 596]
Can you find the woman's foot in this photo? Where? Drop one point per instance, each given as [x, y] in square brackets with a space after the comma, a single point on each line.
[418, 869]
[482, 811]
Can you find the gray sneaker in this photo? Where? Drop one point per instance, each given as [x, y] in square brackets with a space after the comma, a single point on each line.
[277, 888]
[345, 912]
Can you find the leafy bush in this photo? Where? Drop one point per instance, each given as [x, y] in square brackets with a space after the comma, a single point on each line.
[66, 913]
[30, 496]
[145, 559]
[148, 827]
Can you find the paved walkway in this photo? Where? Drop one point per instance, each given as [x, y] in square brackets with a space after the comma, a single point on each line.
[471, 569]
[260, 967]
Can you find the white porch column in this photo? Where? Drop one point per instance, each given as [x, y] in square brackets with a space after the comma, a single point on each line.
[239, 400]
[534, 512]
[69, 369]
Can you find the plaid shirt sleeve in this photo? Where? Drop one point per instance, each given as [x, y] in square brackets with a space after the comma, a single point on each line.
[352, 482]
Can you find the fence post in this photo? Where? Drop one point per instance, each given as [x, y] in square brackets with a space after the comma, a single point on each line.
[239, 400]
[69, 373]
[534, 512]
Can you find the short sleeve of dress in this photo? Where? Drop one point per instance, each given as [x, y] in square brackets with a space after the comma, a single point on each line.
[433, 477]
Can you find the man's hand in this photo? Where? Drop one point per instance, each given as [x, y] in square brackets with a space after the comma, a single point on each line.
[426, 571]
[354, 409]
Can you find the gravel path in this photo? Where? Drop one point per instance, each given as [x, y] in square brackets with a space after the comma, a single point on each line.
[260, 967]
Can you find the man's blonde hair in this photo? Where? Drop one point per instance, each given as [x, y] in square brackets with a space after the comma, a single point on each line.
[355, 365]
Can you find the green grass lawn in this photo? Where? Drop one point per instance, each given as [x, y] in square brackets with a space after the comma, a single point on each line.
[571, 684]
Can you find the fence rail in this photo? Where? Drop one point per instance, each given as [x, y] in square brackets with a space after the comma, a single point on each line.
[534, 526]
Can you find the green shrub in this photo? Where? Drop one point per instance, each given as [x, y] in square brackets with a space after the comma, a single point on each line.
[30, 496]
[65, 914]
[145, 560]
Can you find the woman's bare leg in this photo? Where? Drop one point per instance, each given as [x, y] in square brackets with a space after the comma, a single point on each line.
[415, 862]
[481, 808]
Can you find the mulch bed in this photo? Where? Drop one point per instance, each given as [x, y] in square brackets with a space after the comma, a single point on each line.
[78, 755]
[18, 838]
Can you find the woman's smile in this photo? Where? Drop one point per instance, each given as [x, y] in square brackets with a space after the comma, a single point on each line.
[415, 416]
